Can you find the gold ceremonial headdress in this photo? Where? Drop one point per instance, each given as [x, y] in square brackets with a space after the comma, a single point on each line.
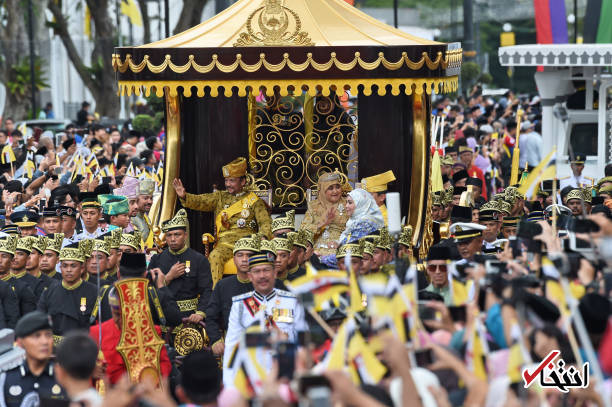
[406, 236]
[8, 244]
[378, 183]
[25, 244]
[383, 240]
[447, 160]
[146, 187]
[179, 221]
[355, 249]
[302, 238]
[40, 244]
[368, 246]
[286, 221]
[72, 253]
[55, 243]
[436, 199]
[133, 240]
[584, 194]
[267, 246]
[85, 246]
[246, 243]
[235, 169]
[99, 245]
[512, 195]
[282, 243]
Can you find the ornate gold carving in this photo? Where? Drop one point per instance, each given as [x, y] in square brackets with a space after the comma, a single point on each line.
[190, 338]
[452, 59]
[285, 87]
[140, 345]
[188, 305]
[173, 151]
[420, 174]
[273, 20]
[295, 139]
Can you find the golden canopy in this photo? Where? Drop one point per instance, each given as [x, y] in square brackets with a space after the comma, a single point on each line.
[306, 44]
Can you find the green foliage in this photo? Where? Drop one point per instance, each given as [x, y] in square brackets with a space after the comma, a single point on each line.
[159, 121]
[470, 71]
[20, 84]
[155, 103]
[143, 122]
[486, 78]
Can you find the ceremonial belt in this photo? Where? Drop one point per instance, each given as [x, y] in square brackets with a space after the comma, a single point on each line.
[236, 208]
[57, 339]
[94, 312]
[188, 305]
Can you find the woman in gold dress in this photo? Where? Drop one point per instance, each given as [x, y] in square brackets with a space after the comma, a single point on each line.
[326, 216]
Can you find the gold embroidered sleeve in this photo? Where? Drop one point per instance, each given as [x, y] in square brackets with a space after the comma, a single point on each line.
[264, 222]
[201, 202]
[310, 221]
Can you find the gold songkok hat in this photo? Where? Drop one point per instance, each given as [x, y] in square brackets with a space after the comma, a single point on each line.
[447, 160]
[85, 246]
[115, 239]
[286, 221]
[55, 243]
[40, 244]
[133, 240]
[72, 253]
[179, 221]
[436, 199]
[302, 238]
[512, 195]
[282, 243]
[8, 244]
[606, 190]
[603, 180]
[235, 169]
[406, 236]
[368, 246]
[25, 243]
[378, 183]
[355, 249]
[267, 246]
[463, 149]
[146, 187]
[101, 245]
[584, 194]
[383, 240]
[246, 243]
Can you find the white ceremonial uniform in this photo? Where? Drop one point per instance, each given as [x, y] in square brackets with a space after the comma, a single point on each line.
[86, 235]
[576, 182]
[280, 308]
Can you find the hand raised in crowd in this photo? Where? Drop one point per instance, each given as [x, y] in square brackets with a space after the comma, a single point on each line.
[445, 322]
[179, 188]
[158, 277]
[93, 184]
[344, 392]
[329, 217]
[177, 270]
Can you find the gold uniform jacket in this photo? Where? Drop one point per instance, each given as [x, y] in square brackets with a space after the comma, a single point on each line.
[252, 218]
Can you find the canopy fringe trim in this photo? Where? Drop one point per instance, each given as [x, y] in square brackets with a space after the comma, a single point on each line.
[313, 87]
[451, 60]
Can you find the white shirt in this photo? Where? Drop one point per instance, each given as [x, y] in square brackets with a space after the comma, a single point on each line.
[251, 308]
[576, 182]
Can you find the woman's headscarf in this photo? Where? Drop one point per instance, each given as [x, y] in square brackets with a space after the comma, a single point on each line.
[366, 211]
[325, 181]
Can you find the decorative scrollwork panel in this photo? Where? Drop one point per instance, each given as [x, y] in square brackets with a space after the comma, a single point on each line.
[294, 139]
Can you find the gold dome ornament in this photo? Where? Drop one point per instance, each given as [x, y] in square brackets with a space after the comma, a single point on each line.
[190, 338]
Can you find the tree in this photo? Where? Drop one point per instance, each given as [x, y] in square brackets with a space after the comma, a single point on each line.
[191, 15]
[146, 20]
[99, 78]
[14, 53]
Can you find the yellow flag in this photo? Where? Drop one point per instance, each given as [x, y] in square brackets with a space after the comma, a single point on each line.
[355, 293]
[515, 362]
[337, 353]
[130, 9]
[436, 174]
[8, 156]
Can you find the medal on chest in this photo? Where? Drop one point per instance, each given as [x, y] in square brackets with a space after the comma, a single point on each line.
[241, 222]
[187, 267]
[83, 306]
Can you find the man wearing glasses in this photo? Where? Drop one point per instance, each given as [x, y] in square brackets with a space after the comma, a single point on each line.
[437, 272]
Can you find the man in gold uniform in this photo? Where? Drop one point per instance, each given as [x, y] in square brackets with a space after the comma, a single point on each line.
[238, 213]
[377, 186]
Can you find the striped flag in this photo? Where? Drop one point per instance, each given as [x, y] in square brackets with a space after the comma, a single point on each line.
[546, 169]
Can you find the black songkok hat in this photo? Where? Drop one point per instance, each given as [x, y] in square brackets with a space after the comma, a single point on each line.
[32, 322]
